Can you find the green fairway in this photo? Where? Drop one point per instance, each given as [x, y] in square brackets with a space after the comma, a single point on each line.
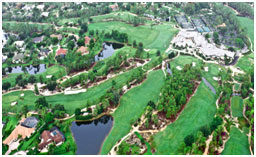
[197, 113]
[56, 70]
[237, 87]
[237, 106]
[249, 25]
[237, 144]
[71, 102]
[246, 62]
[149, 37]
[132, 106]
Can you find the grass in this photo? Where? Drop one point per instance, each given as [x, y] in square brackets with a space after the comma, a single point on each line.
[249, 25]
[197, 113]
[132, 106]
[143, 33]
[237, 106]
[237, 87]
[11, 121]
[56, 70]
[246, 62]
[71, 102]
[237, 144]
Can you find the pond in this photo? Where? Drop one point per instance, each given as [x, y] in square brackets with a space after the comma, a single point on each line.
[89, 136]
[30, 69]
[108, 50]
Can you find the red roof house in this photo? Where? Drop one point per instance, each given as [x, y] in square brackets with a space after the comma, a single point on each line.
[87, 40]
[61, 51]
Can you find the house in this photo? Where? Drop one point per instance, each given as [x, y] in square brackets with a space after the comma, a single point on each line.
[48, 137]
[25, 128]
[18, 58]
[84, 50]
[4, 58]
[30, 122]
[58, 36]
[40, 7]
[61, 52]
[45, 14]
[114, 7]
[38, 39]
[87, 40]
[45, 51]
[19, 43]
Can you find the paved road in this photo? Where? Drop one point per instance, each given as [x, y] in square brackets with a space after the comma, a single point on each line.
[209, 85]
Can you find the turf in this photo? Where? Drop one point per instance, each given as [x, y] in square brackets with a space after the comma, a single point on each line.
[149, 37]
[246, 62]
[132, 106]
[249, 25]
[71, 102]
[237, 106]
[197, 113]
[237, 144]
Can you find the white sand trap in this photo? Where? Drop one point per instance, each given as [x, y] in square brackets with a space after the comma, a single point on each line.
[205, 68]
[216, 78]
[74, 91]
[85, 114]
[178, 67]
[146, 50]
[49, 76]
[13, 103]
[22, 94]
[193, 64]
[220, 69]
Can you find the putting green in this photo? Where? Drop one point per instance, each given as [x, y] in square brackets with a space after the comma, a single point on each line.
[132, 106]
[197, 113]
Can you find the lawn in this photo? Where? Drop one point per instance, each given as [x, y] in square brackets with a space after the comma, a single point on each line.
[56, 70]
[132, 106]
[246, 62]
[149, 37]
[71, 102]
[11, 121]
[237, 106]
[197, 113]
[237, 144]
[249, 25]
[237, 87]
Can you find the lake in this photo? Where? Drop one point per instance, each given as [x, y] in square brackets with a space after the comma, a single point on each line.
[30, 69]
[89, 136]
[108, 50]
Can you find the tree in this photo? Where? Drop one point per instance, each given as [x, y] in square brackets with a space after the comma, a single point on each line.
[55, 40]
[140, 48]
[189, 140]
[134, 44]
[113, 83]
[77, 111]
[239, 42]
[6, 85]
[32, 79]
[84, 27]
[36, 89]
[71, 45]
[205, 130]
[80, 42]
[24, 110]
[158, 53]
[49, 117]
[216, 122]
[41, 79]
[41, 102]
[51, 85]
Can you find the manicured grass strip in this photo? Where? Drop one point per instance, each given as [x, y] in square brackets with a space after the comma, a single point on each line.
[249, 25]
[237, 144]
[237, 106]
[197, 113]
[245, 63]
[237, 86]
[71, 102]
[144, 141]
[132, 106]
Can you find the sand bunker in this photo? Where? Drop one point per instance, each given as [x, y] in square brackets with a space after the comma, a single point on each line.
[193, 64]
[22, 94]
[179, 68]
[205, 68]
[74, 91]
[216, 78]
[13, 103]
[49, 76]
